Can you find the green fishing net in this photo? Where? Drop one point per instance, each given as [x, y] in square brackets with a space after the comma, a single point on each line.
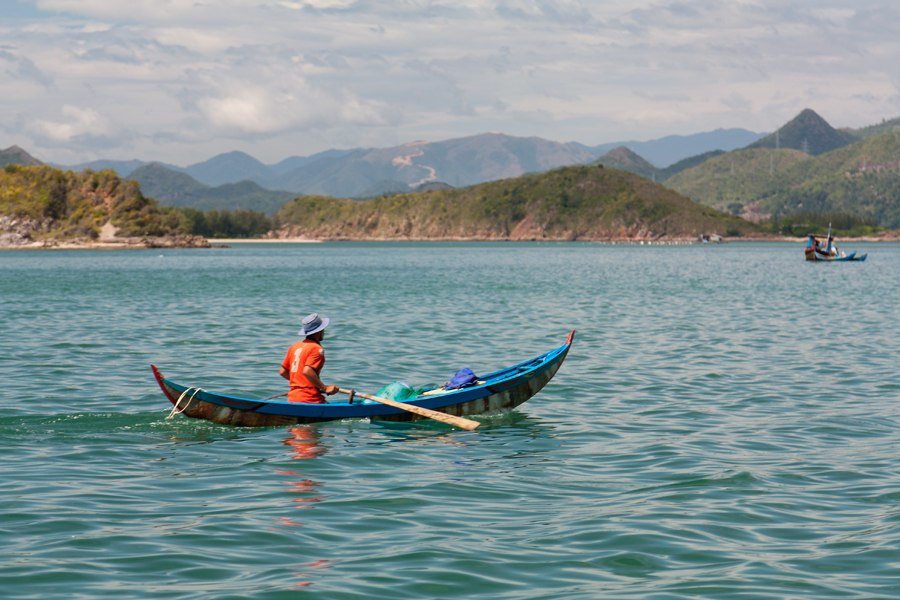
[401, 391]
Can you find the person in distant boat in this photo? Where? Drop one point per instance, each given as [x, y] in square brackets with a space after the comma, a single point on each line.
[303, 363]
[819, 246]
[830, 248]
[812, 245]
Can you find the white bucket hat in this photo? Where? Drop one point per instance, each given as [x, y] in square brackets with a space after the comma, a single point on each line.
[312, 323]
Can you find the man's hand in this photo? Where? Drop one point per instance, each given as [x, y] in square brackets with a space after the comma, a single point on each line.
[330, 390]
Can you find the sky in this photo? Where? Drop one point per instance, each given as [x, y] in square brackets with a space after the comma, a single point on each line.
[183, 80]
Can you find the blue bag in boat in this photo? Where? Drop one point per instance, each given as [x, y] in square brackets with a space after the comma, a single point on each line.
[463, 378]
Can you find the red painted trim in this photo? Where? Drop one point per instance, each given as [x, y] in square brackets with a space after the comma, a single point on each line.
[162, 385]
[568, 339]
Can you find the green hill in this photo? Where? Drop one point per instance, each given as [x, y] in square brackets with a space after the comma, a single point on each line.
[627, 160]
[886, 126]
[861, 181]
[571, 203]
[731, 180]
[624, 159]
[687, 163]
[64, 204]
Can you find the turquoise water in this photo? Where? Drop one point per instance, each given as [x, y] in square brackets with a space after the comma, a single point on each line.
[726, 424]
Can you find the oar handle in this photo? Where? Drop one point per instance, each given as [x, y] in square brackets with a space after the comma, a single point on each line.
[460, 422]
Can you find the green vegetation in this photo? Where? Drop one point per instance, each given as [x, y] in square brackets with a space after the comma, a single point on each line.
[803, 223]
[78, 204]
[886, 125]
[686, 163]
[806, 174]
[624, 159]
[586, 202]
[737, 178]
[862, 180]
[226, 224]
[65, 204]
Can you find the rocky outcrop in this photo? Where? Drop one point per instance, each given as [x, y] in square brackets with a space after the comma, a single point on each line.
[20, 231]
[27, 233]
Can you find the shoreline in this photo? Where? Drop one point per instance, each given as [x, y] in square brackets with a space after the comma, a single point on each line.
[893, 237]
[215, 241]
[143, 243]
[199, 242]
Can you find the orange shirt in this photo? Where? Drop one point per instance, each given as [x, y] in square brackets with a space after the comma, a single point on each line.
[304, 353]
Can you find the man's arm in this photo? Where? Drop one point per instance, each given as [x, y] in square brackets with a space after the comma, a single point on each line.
[285, 373]
[316, 381]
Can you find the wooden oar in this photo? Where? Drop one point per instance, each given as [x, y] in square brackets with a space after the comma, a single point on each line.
[460, 422]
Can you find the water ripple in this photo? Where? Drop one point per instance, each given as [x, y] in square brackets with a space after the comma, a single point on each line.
[714, 432]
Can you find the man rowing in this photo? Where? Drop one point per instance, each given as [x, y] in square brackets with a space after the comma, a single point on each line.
[303, 363]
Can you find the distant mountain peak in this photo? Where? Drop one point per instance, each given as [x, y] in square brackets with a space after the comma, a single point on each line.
[625, 159]
[229, 167]
[807, 132]
[624, 152]
[234, 153]
[16, 155]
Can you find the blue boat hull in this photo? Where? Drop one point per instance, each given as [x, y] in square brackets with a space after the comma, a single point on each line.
[500, 390]
[852, 257]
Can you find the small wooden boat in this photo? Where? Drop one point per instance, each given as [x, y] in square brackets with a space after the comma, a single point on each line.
[827, 252]
[840, 257]
[503, 389]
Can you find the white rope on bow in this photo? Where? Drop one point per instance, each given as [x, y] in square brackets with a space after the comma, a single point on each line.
[175, 410]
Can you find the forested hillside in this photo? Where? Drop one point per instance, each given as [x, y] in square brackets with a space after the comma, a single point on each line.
[41, 203]
[572, 203]
[861, 180]
[65, 204]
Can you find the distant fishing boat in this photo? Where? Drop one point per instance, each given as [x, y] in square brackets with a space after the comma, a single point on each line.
[840, 257]
[499, 390]
[814, 251]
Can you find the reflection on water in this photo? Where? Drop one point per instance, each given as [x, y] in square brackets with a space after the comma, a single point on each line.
[302, 576]
[303, 441]
[304, 444]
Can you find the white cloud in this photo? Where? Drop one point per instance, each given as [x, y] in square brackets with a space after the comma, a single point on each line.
[278, 77]
[75, 122]
[22, 68]
[247, 111]
[258, 111]
[144, 10]
[317, 4]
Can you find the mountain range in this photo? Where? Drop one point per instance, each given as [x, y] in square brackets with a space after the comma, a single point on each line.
[806, 165]
[458, 162]
[175, 188]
